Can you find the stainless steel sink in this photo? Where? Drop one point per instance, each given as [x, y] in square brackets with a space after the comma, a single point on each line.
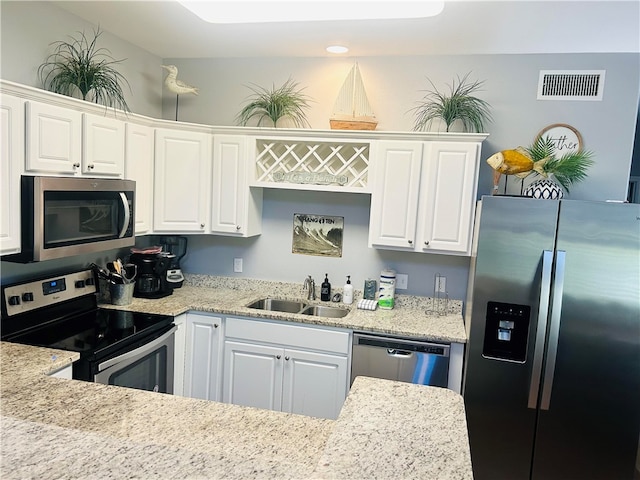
[274, 304]
[322, 311]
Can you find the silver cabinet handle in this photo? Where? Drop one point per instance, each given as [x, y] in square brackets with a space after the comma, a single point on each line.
[543, 313]
[237, 227]
[410, 242]
[91, 166]
[215, 325]
[278, 357]
[76, 165]
[426, 243]
[202, 225]
[554, 330]
[286, 358]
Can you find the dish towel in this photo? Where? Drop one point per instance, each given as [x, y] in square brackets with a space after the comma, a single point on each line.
[364, 304]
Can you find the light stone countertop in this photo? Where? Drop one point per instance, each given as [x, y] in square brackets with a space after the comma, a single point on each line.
[411, 317]
[55, 428]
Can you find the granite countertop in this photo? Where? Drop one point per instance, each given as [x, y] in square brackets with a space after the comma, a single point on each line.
[58, 428]
[412, 317]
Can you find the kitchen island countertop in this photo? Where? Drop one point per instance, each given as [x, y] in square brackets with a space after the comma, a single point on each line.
[413, 316]
[57, 428]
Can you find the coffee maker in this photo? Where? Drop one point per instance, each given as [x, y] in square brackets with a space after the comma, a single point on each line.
[151, 281]
[176, 247]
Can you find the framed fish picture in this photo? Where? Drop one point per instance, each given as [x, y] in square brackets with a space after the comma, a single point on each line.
[319, 235]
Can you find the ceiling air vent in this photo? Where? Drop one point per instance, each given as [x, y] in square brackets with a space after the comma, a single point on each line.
[571, 85]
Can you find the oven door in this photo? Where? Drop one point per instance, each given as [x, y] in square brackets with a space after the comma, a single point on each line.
[149, 367]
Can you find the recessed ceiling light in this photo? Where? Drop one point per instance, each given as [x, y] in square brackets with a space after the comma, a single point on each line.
[262, 11]
[337, 49]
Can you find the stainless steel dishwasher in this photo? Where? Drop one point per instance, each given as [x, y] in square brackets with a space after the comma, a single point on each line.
[410, 361]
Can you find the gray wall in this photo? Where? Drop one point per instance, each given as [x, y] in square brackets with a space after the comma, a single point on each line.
[28, 29]
[269, 255]
[394, 84]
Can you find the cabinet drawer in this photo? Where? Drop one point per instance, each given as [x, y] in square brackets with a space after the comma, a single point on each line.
[289, 335]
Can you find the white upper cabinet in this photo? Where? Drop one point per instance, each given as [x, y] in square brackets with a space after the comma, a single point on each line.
[182, 181]
[424, 196]
[11, 167]
[235, 208]
[103, 146]
[394, 201]
[64, 141]
[449, 180]
[54, 139]
[139, 158]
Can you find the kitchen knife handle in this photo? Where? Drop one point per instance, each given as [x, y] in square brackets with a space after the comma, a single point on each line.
[541, 331]
[554, 329]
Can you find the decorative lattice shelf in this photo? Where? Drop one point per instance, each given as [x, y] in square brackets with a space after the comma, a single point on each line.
[310, 164]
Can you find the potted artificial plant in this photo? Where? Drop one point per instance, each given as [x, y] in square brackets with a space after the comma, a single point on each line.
[285, 101]
[80, 66]
[566, 169]
[457, 104]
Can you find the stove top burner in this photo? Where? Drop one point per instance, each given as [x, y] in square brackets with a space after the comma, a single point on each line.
[92, 332]
[67, 317]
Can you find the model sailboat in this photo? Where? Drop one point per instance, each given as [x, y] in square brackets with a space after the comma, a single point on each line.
[352, 110]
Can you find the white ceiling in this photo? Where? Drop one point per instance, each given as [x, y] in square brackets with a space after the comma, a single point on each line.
[168, 30]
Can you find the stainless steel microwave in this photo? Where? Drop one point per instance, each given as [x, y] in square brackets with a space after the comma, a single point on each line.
[65, 216]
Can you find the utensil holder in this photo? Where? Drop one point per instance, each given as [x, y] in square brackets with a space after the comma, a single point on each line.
[121, 293]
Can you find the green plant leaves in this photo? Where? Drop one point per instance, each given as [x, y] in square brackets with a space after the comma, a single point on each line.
[285, 101]
[457, 104]
[567, 169]
[80, 65]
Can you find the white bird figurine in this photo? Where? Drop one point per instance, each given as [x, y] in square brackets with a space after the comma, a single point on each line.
[175, 85]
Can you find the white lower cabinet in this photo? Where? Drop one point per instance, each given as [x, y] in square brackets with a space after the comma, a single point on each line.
[204, 337]
[179, 353]
[308, 373]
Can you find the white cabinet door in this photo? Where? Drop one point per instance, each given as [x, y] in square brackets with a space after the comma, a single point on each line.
[314, 383]
[449, 182]
[286, 366]
[103, 146]
[182, 181]
[394, 201]
[203, 356]
[180, 337]
[54, 139]
[11, 167]
[235, 208]
[139, 154]
[252, 375]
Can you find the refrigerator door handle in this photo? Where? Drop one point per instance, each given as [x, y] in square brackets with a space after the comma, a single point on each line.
[554, 330]
[543, 314]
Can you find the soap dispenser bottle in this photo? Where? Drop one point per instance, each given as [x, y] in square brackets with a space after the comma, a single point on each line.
[347, 294]
[325, 289]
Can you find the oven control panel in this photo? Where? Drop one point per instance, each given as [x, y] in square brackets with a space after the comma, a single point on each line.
[29, 296]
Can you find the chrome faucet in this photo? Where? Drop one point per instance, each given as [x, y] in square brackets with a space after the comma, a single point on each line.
[310, 285]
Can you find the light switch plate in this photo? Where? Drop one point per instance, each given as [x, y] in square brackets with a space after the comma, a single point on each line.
[402, 281]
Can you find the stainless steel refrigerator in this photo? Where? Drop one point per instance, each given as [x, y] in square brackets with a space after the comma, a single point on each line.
[552, 366]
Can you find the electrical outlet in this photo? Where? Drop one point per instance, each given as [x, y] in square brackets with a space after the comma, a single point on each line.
[402, 281]
[237, 265]
[441, 287]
